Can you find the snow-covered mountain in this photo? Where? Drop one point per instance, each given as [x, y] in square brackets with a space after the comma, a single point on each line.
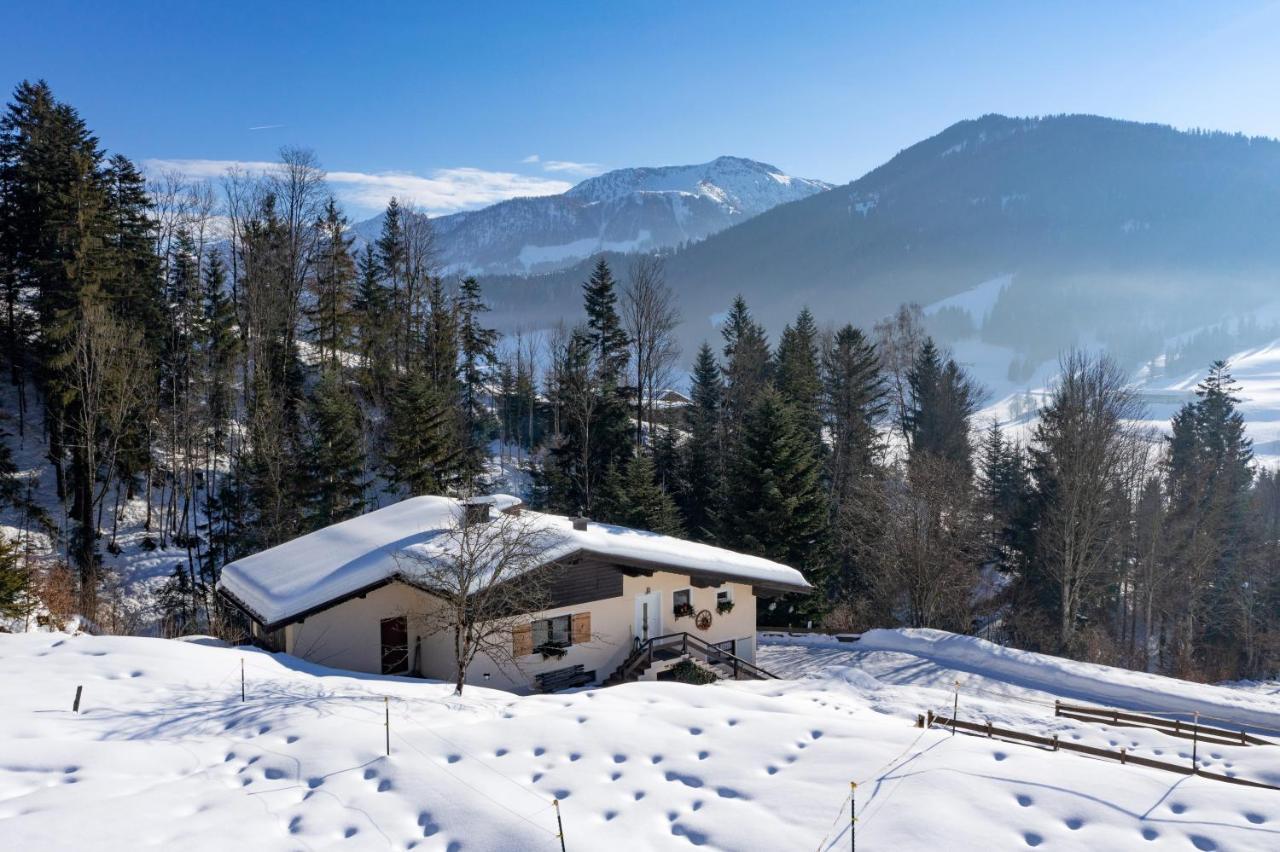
[623, 210]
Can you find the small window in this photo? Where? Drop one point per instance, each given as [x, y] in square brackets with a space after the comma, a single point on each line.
[724, 601]
[557, 631]
[682, 602]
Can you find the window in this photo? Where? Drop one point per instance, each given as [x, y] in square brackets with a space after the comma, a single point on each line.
[558, 630]
[724, 601]
[682, 602]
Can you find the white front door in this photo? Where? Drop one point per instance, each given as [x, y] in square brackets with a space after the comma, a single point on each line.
[648, 616]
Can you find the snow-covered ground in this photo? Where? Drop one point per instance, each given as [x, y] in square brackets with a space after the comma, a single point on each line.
[164, 755]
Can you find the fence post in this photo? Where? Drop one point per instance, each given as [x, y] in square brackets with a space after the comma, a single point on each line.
[559, 823]
[75, 706]
[242, 680]
[853, 815]
[1195, 743]
[1121, 756]
[919, 720]
[955, 711]
[386, 706]
[1055, 742]
[1057, 707]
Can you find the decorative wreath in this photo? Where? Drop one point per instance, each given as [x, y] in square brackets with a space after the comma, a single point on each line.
[703, 619]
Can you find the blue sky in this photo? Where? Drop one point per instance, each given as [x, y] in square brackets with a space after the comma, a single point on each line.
[463, 106]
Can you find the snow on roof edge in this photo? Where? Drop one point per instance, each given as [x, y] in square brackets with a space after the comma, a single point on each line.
[276, 585]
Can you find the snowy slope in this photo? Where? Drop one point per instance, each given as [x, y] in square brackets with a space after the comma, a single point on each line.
[164, 755]
[624, 210]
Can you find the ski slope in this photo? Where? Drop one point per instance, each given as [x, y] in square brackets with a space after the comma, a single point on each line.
[165, 755]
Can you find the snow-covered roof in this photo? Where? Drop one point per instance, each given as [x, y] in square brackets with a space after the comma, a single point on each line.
[278, 584]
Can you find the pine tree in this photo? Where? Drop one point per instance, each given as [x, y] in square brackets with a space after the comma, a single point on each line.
[17, 592]
[372, 315]
[333, 285]
[854, 401]
[775, 505]
[1209, 473]
[747, 369]
[604, 325]
[335, 453]
[422, 455]
[796, 374]
[644, 503]
[941, 401]
[702, 457]
[477, 344]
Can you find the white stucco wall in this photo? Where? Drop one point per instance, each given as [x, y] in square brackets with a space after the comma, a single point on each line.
[348, 635]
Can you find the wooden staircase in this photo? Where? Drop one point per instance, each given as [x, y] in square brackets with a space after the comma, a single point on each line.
[662, 652]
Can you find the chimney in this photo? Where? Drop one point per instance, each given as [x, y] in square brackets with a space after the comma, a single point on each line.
[580, 523]
[475, 512]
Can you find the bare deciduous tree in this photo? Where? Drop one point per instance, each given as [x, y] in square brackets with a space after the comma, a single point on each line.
[650, 317]
[487, 576]
[1088, 448]
[898, 339]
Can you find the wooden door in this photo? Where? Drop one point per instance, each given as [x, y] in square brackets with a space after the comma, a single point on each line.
[395, 645]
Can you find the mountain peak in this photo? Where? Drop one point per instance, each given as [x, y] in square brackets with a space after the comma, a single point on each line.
[646, 208]
[748, 186]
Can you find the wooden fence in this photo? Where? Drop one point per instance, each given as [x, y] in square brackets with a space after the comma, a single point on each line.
[1172, 727]
[1053, 743]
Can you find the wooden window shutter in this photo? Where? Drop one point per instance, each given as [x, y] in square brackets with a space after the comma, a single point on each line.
[522, 640]
[581, 628]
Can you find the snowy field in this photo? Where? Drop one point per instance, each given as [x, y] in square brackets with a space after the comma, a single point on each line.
[164, 755]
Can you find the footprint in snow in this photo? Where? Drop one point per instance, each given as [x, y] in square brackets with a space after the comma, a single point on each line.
[1032, 839]
[1150, 834]
[1204, 844]
[1075, 823]
[1255, 818]
[1024, 800]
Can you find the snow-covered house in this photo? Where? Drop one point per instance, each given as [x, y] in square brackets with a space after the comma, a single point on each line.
[620, 604]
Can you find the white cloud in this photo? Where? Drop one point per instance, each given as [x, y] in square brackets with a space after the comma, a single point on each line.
[442, 191]
[532, 158]
[567, 167]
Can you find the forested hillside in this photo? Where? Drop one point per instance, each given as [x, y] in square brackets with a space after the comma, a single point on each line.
[212, 366]
[1111, 231]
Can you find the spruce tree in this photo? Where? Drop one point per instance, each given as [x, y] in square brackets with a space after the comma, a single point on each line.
[477, 348]
[423, 455]
[702, 457]
[604, 325]
[775, 504]
[747, 369]
[335, 453]
[796, 374]
[941, 400]
[854, 401]
[644, 503]
[333, 286]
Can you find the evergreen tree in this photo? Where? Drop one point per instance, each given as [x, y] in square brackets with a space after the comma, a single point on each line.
[702, 457]
[747, 367]
[333, 284]
[854, 400]
[775, 505]
[335, 453]
[796, 374]
[941, 401]
[604, 325]
[644, 504]
[1209, 468]
[422, 455]
[477, 344]
[373, 328]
